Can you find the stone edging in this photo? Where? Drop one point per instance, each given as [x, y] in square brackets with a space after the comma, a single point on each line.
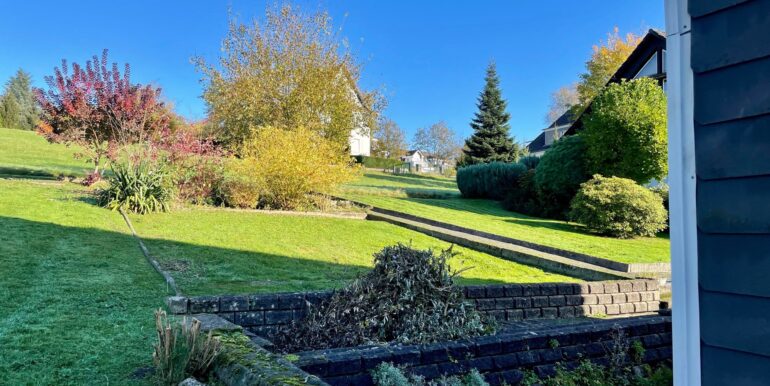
[264, 314]
[602, 262]
[501, 358]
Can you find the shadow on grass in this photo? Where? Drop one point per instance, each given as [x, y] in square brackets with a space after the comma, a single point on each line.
[25, 172]
[206, 270]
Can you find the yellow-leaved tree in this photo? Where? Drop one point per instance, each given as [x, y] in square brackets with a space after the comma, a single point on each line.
[279, 169]
[606, 58]
[289, 70]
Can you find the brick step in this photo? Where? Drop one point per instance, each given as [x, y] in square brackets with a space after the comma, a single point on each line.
[506, 250]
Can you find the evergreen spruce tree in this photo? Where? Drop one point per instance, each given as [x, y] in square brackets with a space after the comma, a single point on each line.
[18, 107]
[490, 141]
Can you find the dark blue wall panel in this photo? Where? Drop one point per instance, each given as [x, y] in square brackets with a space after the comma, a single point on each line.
[729, 368]
[733, 149]
[699, 8]
[733, 92]
[735, 322]
[739, 205]
[719, 41]
[735, 263]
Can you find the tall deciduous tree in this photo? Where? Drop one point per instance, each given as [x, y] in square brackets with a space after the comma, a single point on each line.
[18, 107]
[390, 140]
[98, 107]
[490, 140]
[561, 101]
[290, 70]
[438, 140]
[625, 132]
[606, 58]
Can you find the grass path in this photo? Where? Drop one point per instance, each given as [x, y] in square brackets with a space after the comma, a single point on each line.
[76, 296]
[489, 216]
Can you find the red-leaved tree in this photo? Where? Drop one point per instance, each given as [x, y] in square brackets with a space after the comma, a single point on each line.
[99, 108]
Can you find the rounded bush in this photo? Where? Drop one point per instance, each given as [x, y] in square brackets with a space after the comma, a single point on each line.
[141, 187]
[559, 174]
[493, 180]
[618, 207]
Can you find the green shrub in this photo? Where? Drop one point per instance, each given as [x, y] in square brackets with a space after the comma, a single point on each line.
[377, 162]
[492, 180]
[238, 188]
[385, 374]
[409, 297]
[559, 174]
[625, 132]
[662, 191]
[618, 207]
[523, 198]
[139, 186]
[530, 161]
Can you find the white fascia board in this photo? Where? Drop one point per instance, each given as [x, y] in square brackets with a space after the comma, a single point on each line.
[682, 181]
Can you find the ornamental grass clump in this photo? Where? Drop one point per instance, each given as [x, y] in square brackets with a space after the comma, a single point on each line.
[139, 186]
[409, 297]
[181, 350]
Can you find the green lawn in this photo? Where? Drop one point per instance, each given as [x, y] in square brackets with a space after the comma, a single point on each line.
[403, 185]
[25, 153]
[489, 216]
[76, 295]
[214, 252]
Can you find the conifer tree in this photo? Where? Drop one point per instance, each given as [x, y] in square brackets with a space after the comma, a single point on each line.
[490, 141]
[18, 107]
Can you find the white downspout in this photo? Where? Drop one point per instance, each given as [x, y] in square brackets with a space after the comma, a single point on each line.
[682, 178]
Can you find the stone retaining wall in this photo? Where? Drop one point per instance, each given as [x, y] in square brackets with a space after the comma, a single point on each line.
[264, 314]
[501, 358]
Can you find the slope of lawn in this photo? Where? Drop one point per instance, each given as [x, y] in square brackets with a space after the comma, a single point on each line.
[489, 216]
[403, 185]
[219, 251]
[27, 154]
[76, 295]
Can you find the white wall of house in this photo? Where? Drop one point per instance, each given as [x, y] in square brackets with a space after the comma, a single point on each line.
[360, 142]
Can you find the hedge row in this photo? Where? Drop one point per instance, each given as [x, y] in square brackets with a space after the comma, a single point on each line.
[493, 180]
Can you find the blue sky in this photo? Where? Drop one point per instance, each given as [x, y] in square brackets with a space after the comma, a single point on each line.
[428, 56]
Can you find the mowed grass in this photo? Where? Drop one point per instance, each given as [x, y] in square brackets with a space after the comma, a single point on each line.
[27, 154]
[489, 216]
[217, 252]
[403, 185]
[76, 294]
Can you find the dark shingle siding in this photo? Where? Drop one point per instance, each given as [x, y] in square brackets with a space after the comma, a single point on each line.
[731, 149]
[738, 205]
[733, 368]
[737, 263]
[727, 42]
[734, 92]
[698, 8]
[736, 322]
[731, 80]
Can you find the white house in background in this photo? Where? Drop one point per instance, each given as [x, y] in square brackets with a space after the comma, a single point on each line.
[417, 160]
[360, 141]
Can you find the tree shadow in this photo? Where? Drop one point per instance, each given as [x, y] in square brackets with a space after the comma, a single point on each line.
[207, 270]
